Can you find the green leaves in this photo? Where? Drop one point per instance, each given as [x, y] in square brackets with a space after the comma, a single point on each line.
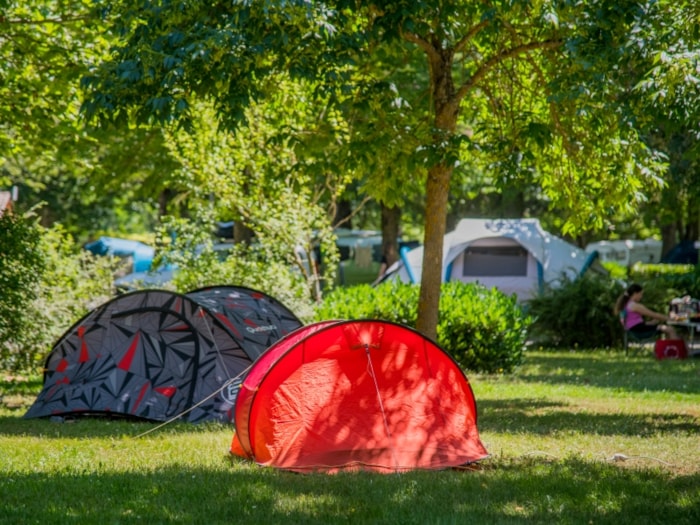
[538, 94]
[42, 51]
[46, 287]
[180, 50]
[483, 330]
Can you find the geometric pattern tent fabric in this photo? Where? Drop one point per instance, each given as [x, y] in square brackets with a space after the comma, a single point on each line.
[356, 395]
[150, 354]
[255, 319]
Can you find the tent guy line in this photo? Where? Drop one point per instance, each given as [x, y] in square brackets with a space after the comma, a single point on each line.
[184, 412]
[370, 367]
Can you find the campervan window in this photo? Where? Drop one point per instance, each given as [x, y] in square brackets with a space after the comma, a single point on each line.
[492, 261]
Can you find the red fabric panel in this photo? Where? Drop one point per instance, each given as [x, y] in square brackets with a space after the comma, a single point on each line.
[126, 361]
[366, 395]
[84, 354]
[255, 376]
[62, 365]
[228, 324]
[167, 391]
[138, 400]
[236, 448]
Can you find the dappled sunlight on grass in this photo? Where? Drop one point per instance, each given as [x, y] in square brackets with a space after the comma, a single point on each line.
[505, 416]
[542, 491]
[640, 412]
[573, 438]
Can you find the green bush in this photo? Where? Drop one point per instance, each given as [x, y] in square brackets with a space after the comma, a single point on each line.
[22, 266]
[662, 282]
[672, 280]
[48, 284]
[246, 267]
[199, 264]
[395, 302]
[616, 270]
[577, 314]
[483, 330]
[646, 272]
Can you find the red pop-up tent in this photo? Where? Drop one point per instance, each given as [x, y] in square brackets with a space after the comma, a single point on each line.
[356, 395]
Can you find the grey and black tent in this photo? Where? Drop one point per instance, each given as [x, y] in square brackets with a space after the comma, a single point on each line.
[255, 319]
[156, 355]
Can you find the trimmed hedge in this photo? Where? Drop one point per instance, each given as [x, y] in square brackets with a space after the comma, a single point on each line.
[483, 330]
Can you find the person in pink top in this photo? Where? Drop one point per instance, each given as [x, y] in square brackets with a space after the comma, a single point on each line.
[636, 314]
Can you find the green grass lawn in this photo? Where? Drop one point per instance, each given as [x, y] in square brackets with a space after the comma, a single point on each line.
[574, 438]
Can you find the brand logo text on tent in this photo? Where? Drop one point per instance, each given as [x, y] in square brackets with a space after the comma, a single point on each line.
[257, 329]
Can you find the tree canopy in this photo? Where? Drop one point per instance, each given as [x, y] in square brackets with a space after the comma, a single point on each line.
[535, 90]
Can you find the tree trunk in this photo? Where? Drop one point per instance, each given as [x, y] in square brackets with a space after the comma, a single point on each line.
[391, 219]
[693, 229]
[668, 238]
[343, 214]
[446, 107]
[435, 224]
[164, 199]
[242, 235]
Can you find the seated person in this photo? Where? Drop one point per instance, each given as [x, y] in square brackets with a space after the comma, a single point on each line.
[636, 314]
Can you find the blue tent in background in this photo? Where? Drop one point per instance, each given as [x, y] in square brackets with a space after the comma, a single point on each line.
[140, 253]
[685, 252]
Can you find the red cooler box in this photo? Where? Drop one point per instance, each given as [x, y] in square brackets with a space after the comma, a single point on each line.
[670, 349]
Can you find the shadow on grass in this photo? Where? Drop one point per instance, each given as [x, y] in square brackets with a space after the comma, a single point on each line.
[533, 416]
[97, 427]
[539, 417]
[611, 370]
[568, 491]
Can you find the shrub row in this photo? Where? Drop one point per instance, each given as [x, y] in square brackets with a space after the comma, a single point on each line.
[47, 284]
[483, 330]
[580, 313]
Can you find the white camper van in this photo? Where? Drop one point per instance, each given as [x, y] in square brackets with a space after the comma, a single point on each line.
[627, 252]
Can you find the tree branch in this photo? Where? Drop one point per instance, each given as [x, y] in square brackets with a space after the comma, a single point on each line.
[500, 57]
[423, 44]
[471, 34]
[430, 50]
[554, 114]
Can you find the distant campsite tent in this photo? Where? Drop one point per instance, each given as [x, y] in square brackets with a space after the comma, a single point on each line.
[515, 256]
[141, 254]
[356, 395]
[156, 354]
[685, 252]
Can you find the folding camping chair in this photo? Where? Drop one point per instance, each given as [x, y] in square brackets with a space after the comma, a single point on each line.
[636, 339]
